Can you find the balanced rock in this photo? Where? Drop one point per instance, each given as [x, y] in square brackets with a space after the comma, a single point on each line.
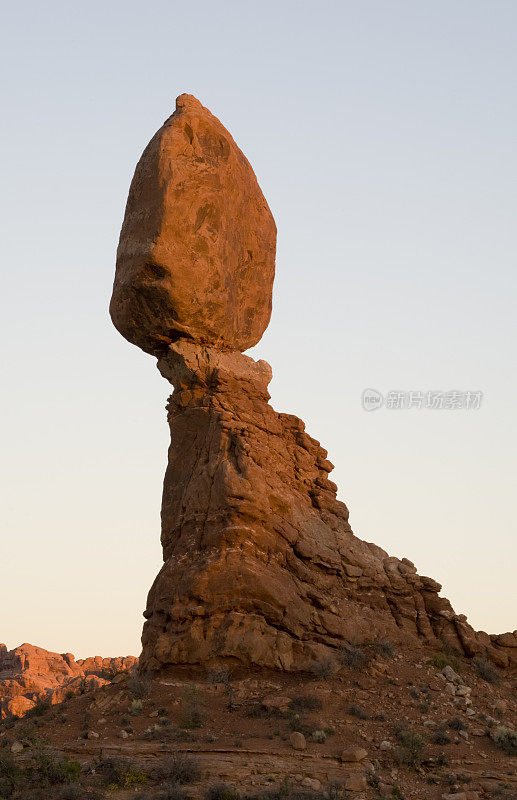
[261, 567]
[196, 256]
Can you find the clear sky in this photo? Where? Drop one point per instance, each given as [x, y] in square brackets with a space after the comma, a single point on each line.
[383, 134]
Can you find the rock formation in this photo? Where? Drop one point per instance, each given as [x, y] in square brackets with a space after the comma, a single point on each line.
[261, 566]
[30, 674]
[196, 256]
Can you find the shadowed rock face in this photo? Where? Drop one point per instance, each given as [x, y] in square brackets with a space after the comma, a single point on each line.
[196, 256]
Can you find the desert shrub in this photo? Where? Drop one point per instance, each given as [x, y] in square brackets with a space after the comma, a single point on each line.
[383, 647]
[49, 768]
[219, 675]
[72, 792]
[135, 707]
[448, 656]
[306, 702]
[353, 655]
[41, 707]
[9, 774]
[193, 708]
[318, 736]
[180, 768]
[356, 711]
[411, 749]
[506, 739]
[223, 676]
[27, 732]
[171, 791]
[166, 734]
[222, 791]
[441, 660]
[457, 724]
[139, 686]
[288, 792]
[324, 669]
[372, 779]
[440, 736]
[120, 773]
[485, 670]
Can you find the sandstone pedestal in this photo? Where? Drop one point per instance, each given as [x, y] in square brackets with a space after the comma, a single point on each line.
[260, 564]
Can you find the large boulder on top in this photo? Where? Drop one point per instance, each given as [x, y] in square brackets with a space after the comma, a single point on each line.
[196, 256]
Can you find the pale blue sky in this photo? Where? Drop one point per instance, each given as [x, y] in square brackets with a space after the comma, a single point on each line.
[384, 136]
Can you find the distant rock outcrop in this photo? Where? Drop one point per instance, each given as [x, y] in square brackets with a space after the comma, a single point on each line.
[30, 674]
[261, 566]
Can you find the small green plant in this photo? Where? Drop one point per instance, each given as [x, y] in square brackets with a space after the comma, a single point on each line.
[135, 707]
[372, 779]
[139, 686]
[506, 739]
[180, 768]
[318, 736]
[440, 736]
[306, 702]
[223, 676]
[358, 712]
[193, 708]
[120, 773]
[324, 669]
[441, 660]
[485, 670]
[383, 647]
[353, 655]
[411, 749]
[48, 768]
[457, 724]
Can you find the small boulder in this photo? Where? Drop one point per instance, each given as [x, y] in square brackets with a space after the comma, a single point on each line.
[385, 745]
[16, 747]
[451, 674]
[312, 783]
[353, 754]
[276, 702]
[298, 741]
[355, 783]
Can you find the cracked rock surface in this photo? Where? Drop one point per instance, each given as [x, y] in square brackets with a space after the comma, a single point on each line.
[261, 566]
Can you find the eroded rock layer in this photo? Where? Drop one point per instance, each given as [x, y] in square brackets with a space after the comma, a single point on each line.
[261, 566]
[31, 675]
